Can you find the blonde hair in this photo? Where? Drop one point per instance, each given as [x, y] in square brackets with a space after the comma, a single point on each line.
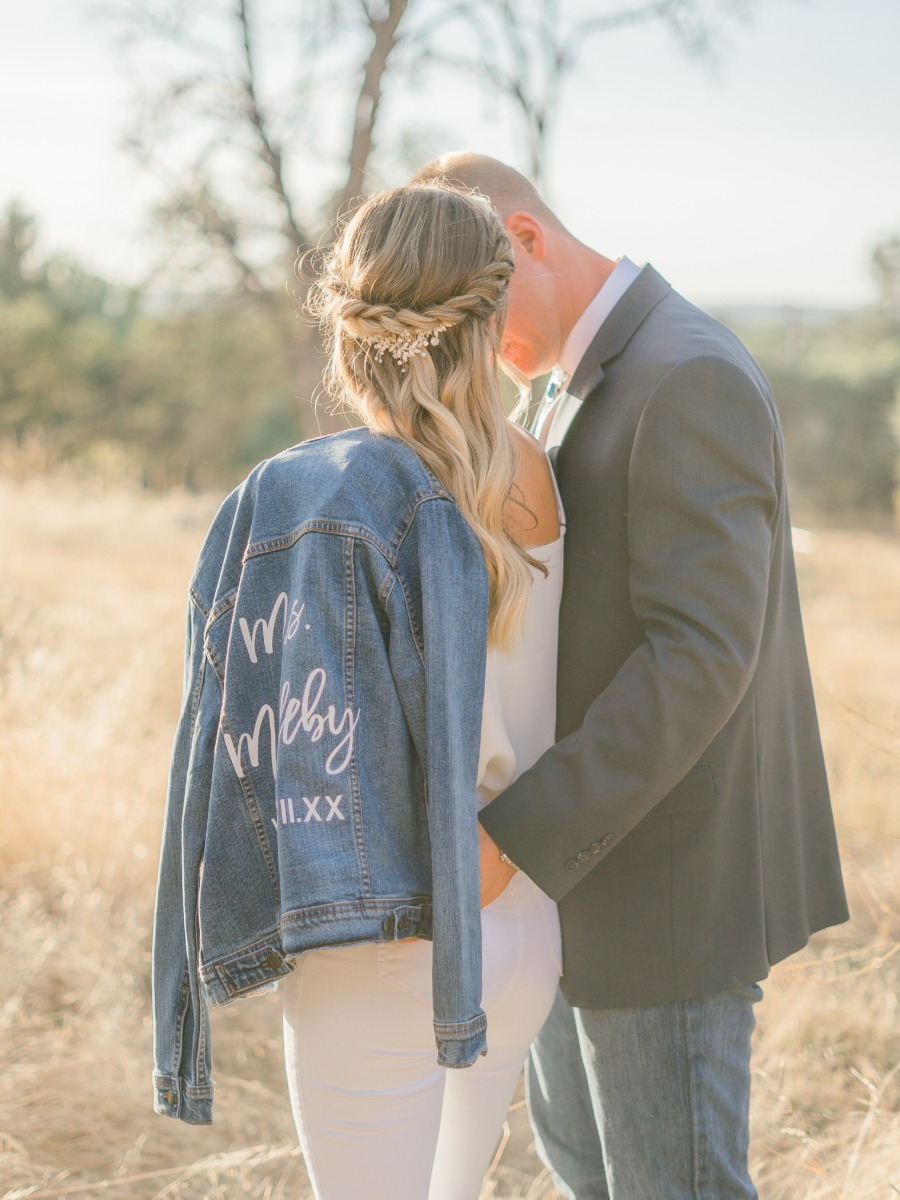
[432, 263]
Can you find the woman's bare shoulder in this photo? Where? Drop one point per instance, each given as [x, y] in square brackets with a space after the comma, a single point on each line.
[533, 514]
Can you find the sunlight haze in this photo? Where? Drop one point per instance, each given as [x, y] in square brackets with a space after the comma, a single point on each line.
[766, 180]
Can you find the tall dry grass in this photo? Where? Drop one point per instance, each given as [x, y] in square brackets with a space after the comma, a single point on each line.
[91, 617]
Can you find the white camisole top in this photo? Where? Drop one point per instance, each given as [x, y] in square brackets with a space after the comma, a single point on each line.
[518, 720]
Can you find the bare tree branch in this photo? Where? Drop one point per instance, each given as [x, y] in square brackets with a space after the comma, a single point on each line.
[201, 209]
[384, 30]
[270, 152]
[213, 120]
[217, 127]
[539, 49]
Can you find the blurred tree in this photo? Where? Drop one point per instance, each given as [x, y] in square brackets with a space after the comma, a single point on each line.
[522, 51]
[57, 340]
[840, 449]
[195, 395]
[886, 269]
[246, 99]
[265, 125]
[234, 130]
[191, 397]
[208, 393]
[261, 125]
[18, 271]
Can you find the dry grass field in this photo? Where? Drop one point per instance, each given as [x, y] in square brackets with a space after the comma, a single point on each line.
[91, 618]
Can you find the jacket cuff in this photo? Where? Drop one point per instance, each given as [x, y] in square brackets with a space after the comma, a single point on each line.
[461, 1045]
[184, 1101]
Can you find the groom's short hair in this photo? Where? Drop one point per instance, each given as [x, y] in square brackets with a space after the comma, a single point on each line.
[507, 189]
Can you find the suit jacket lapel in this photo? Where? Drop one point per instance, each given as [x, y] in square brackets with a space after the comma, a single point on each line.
[617, 330]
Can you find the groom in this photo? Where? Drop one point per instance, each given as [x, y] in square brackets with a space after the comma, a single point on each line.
[682, 820]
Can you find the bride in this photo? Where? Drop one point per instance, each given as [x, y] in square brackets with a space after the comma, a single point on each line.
[377, 610]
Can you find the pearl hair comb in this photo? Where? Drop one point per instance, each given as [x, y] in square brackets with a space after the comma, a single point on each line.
[404, 346]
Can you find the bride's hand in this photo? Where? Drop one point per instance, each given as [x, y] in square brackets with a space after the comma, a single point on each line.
[495, 873]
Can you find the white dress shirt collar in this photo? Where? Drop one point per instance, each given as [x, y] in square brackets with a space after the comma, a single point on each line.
[585, 328]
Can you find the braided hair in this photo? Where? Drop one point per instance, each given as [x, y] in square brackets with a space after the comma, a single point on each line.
[412, 299]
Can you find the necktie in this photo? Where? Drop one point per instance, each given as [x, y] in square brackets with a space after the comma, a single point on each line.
[553, 393]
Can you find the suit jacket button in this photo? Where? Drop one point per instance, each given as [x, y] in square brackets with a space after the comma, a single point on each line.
[572, 865]
[595, 847]
[606, 839]
[582, 856]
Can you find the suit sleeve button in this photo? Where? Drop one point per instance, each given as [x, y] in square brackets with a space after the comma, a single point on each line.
[582, 856]
[607, 838]
[595, 847]
[571, 865]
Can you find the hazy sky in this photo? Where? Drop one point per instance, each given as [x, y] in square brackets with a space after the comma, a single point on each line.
[769, 182]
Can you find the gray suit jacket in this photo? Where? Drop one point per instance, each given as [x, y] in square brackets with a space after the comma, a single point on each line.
[682, 820]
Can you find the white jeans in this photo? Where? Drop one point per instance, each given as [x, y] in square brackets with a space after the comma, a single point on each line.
[378, 1119]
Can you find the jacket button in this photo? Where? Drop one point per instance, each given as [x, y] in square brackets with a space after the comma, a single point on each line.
[595, 847]
[583, 856]
[607, 838]
[572, 865]
[387, 926]
[170, 1097]
[272, 961]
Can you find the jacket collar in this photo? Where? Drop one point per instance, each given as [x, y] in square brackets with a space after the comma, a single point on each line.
[617, 330]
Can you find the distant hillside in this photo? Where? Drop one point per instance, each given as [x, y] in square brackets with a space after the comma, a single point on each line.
[755, 316]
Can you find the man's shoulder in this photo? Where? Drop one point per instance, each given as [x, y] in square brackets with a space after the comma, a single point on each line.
[691, 330]
[679, 334]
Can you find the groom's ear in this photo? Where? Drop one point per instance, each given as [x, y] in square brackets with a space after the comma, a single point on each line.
[527, 231]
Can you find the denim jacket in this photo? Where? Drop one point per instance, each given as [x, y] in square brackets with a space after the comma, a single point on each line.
[322, 786]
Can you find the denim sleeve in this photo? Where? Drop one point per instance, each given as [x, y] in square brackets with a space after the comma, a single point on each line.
[182, 1051]
[454, 603]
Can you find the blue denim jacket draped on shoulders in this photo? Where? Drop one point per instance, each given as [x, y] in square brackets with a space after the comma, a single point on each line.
[322, 786]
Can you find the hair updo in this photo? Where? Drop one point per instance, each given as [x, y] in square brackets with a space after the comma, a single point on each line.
[412, 300]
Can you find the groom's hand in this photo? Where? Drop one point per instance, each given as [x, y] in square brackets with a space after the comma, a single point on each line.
[495, 873]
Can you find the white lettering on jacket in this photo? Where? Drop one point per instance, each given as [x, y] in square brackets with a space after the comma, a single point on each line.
[291, 625]
[306, 714]
[315, 723]
[289, 816]
[299, 716]
[252, 742]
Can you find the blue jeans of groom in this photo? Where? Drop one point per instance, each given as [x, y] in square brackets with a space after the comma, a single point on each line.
[646, 1103]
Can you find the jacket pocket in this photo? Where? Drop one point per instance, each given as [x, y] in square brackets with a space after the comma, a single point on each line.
[695, 793]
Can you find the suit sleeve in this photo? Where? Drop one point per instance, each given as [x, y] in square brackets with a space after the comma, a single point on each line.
[704, 490]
